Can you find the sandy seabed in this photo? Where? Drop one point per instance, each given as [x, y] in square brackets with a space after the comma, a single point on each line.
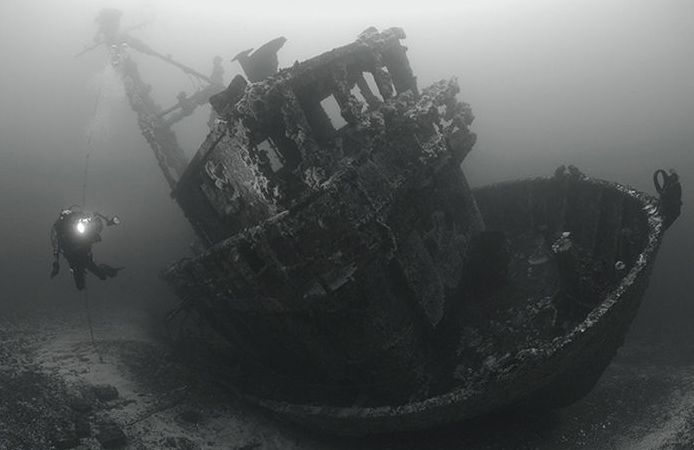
[57, 390]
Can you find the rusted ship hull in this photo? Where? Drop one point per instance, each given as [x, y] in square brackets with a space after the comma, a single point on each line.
[554, 374]
[357, 284]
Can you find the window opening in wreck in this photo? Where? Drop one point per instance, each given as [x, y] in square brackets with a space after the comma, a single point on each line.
[332, 109]
[371, 82]
[390, 78]
[276, 160]
[356, 92]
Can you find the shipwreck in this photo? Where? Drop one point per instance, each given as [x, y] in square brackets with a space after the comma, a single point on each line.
[360, 284]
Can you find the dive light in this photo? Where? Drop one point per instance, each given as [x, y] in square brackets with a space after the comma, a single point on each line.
[82, 225]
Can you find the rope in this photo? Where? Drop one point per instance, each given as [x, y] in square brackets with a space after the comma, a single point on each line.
[84, 180]
[89, 148]
[91, 328]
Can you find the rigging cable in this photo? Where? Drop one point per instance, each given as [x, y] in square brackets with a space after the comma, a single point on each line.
[84, 180]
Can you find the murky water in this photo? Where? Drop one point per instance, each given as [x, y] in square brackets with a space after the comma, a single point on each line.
[603, 85]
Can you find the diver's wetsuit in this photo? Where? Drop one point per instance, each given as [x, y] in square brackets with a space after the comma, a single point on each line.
[76, 246]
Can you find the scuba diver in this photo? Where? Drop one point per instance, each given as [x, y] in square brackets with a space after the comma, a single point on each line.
[670, 191]
[73, 234]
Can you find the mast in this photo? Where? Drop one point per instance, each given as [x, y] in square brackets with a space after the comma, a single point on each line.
[161, 139]
[154, 122]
